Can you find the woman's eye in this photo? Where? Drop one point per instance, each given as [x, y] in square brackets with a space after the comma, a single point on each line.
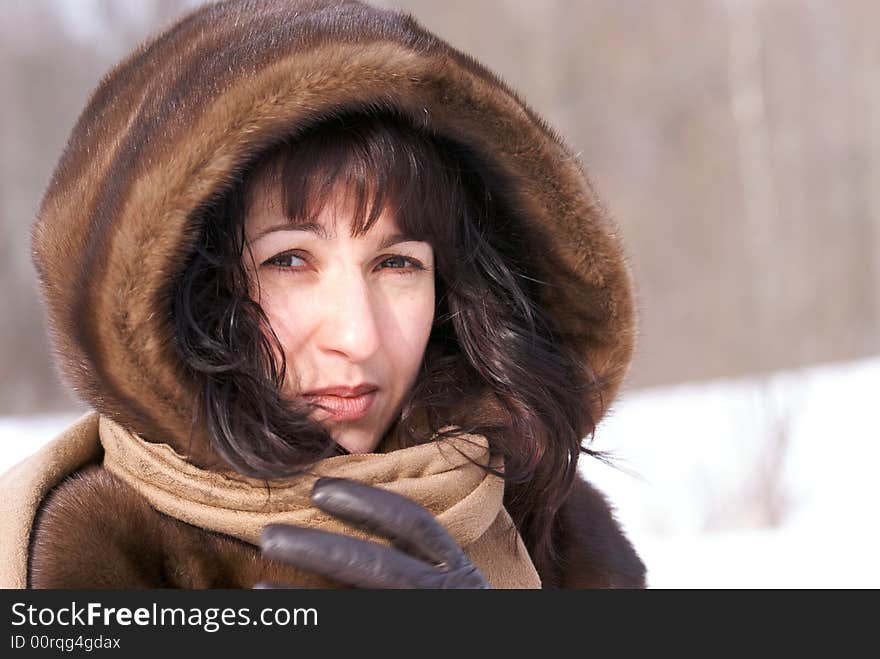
[287, 260]
[400, 263]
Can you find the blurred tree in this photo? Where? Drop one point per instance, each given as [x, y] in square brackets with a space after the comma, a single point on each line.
[53, 54]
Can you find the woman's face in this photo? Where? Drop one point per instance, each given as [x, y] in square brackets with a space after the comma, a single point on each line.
[347, 311]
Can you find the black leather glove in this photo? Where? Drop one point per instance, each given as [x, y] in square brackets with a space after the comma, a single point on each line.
[424, 555]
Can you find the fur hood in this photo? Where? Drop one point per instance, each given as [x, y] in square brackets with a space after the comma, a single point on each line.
[169, 128]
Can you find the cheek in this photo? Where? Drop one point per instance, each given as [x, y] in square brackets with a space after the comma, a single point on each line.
[278, 308]
[412, 318]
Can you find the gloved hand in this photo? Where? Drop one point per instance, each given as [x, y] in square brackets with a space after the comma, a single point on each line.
[424, 555]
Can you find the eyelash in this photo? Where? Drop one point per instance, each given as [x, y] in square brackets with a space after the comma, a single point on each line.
[415, 267]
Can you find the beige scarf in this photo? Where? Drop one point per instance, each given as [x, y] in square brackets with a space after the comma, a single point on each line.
[439, 475]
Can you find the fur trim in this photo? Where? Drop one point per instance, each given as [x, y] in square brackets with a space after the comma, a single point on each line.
[594, 551]
[124, 543]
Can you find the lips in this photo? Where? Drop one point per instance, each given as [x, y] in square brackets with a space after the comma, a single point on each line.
[346, 407]
[343, 391]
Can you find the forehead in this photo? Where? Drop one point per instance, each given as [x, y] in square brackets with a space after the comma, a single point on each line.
[264, 213]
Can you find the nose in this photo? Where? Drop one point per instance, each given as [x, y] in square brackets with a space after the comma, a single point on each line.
[349, 324]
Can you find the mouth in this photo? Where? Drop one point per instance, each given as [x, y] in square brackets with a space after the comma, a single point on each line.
[345, 408]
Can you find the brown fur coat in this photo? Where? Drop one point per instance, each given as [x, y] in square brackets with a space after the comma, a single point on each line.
[168, 128]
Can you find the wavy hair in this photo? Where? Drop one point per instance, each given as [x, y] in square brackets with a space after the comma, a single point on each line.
[490, 339]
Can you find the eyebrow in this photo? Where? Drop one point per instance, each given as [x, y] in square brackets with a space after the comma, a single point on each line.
[321, 232]
[395, 238]
[313, 227]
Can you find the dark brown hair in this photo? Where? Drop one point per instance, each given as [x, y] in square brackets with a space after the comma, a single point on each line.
[490, 338]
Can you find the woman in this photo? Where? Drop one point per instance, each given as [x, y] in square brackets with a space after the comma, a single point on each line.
[261, 203]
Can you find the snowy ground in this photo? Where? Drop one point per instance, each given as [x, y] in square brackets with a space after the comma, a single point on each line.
[764, 482]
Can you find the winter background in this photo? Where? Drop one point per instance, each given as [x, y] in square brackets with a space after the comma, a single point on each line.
[737, 143]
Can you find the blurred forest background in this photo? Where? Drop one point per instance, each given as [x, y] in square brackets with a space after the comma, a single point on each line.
[736, 142]
[737, 145]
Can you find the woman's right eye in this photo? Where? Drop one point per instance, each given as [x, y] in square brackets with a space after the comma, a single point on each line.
[286, 260]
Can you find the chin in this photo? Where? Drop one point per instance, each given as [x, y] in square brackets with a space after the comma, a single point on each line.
[357, 442]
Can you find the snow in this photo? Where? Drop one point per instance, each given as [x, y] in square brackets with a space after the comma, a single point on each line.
[20, 436]
[753, 483]
[712, 504]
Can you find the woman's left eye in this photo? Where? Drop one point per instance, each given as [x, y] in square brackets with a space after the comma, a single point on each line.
[285, 261]
[402, 261]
